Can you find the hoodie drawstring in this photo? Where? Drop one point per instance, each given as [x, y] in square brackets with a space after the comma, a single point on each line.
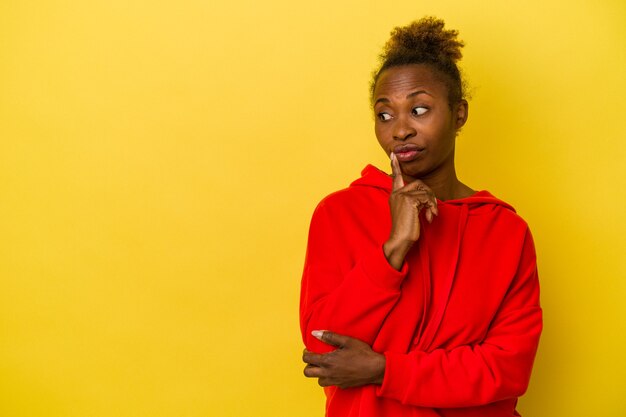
[427, 331]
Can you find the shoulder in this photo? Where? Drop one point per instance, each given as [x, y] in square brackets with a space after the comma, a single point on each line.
[511, 226]
[350, 201]
[510, 216]
[339, 199]
[485, 203]
[372, 187]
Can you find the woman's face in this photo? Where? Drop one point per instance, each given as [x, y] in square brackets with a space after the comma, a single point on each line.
[415, 121]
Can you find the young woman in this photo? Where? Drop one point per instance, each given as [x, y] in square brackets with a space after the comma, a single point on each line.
[419, 295]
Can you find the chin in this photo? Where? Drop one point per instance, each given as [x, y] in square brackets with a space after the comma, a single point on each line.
[415, 171]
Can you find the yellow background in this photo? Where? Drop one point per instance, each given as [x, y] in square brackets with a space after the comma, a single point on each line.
[160, 161]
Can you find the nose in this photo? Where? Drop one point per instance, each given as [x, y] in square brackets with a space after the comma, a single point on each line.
[403, 130]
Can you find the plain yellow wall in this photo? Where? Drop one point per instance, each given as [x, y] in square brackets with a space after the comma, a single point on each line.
[160, 161]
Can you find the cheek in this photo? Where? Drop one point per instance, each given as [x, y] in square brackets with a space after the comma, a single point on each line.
[383, 130]
[439, 130]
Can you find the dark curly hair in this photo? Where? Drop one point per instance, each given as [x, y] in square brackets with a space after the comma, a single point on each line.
[425, 41]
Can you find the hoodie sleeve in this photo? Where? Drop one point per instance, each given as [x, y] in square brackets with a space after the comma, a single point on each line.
[351, 301]
[470, 375]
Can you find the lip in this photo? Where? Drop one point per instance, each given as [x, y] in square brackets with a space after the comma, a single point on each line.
[407, 152]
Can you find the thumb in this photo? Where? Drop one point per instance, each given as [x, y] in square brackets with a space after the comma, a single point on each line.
[331, 338]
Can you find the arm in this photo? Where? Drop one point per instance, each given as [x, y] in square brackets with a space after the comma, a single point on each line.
[497, 368]
[357, 302]
[469, 375]
[354, 302]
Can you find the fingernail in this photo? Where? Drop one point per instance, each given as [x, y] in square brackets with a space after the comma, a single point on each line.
[318, 333]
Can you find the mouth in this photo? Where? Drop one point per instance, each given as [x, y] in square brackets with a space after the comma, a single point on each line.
[407, 152]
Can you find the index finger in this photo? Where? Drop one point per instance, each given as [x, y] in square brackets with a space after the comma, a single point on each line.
[398, 182]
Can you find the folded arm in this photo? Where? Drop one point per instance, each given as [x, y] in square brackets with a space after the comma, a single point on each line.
[350, 300]
[497, 368]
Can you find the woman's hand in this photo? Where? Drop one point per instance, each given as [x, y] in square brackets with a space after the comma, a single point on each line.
[405, 203]
[353, 364]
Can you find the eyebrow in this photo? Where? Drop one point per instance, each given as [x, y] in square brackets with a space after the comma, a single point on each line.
[413, 94]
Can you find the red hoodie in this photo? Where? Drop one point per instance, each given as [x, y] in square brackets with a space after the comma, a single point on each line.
[459, 324]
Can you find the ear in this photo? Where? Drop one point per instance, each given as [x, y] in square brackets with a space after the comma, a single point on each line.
[461, 113]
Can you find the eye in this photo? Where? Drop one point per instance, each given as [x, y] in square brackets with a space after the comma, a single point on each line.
[419, 110]
[384, 116]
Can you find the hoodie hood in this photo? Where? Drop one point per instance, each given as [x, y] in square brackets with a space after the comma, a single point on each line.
[374, 177]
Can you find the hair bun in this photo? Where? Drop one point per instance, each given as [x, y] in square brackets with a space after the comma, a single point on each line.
[426, 37]
[425, 41]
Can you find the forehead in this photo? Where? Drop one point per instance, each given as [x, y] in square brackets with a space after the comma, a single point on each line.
[403, 80]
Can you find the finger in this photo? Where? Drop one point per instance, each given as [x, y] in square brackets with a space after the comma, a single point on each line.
[398, 182]
[425, 197]
[431, 209]
[420, 197]
[318, 334]
[325, 382]
[418, 185]
[432, 205]
[313, 358]
[427, 207]
[331, 338]
[311, 371]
